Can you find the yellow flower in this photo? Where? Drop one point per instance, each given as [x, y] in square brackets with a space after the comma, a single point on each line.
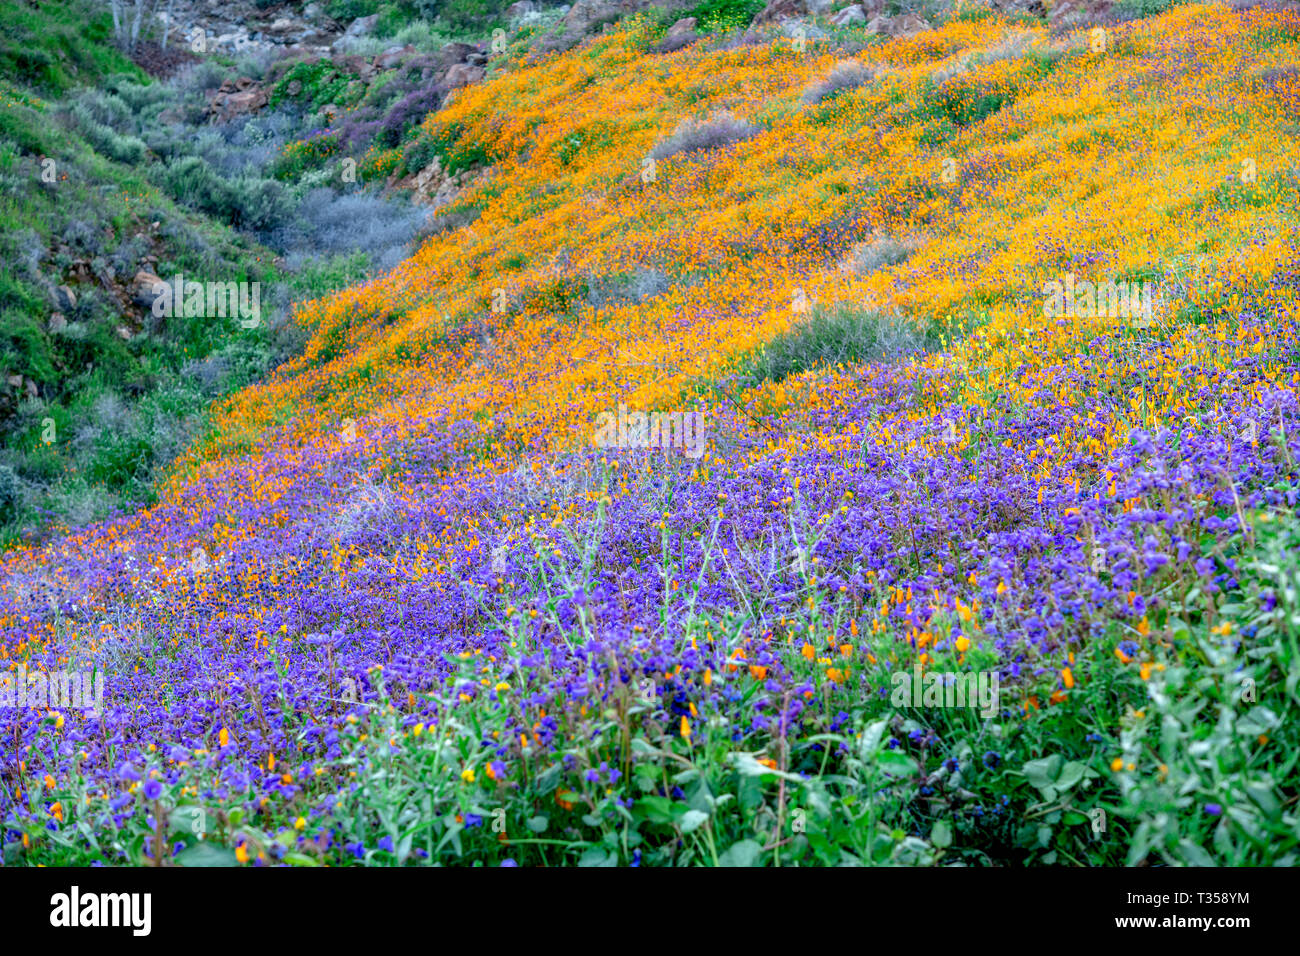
[1117, 764]
[300, 823]
[467, 775]
[241, 853]
[223, 738]
[686, 730]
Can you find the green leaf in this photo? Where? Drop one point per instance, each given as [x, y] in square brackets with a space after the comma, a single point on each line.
[205, 854]
[871, 738]
[538, 824]
[747, 765]
[1042, 773]
[941, 835]
[896, 763]
[1194, 853]
[597, 856]
[1071, 774]
[692, 820]
[744, 853]
[659, 810]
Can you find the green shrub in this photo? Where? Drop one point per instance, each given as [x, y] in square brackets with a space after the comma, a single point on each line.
[10, 494]
[828, 337]
[720, 15]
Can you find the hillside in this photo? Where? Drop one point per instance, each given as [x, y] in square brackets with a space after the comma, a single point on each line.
[412, 582]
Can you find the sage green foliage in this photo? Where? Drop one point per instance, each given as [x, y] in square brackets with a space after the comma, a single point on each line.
[828, 337]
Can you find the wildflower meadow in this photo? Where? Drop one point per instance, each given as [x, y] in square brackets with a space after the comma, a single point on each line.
[801, 446]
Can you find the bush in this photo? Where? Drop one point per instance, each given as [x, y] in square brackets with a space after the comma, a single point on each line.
[10, 494]
[246, 202]
[722, 129]
[408, 113]
[845, 75]
[104, 140]
[841, 335]
[720, 15]
[868, 257]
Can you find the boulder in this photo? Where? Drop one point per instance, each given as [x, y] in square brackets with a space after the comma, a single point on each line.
[142, 288]
[225, 105]
[65, 300]
[362, 26]
[521, 10]
[586, 16]
[393, 57]
[679, 36]
[906, 26]
[853, 14]
[778, 10]
[454, 53]
[1075, 14]
[463, 74]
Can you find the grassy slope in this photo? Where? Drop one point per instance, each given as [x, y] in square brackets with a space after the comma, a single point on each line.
[109, 413]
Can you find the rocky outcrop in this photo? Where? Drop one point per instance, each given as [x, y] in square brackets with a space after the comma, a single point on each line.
[432, 186]
[235, 97]
[679, 36]
[778, 10]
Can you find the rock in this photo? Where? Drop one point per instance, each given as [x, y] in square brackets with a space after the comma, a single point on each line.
[393, 56]
[283, 25]
[57, 322]
[552, 43]
[124, 333]
[462, 74]
[30, 388]
[805, 28]
[1073, 14]
[853, 14]
[454, 53]
[587, 16]
[142, 288]
[65, 300]
[778, 10]
[908, 25]
[521, 10]
[226, 105]
[679, 36]
[1031, 7]
[362, 26]
[878, 24]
